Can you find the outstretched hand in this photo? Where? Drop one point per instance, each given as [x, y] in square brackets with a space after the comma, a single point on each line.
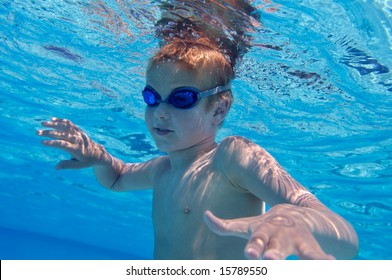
[70, 138]
[276, 235]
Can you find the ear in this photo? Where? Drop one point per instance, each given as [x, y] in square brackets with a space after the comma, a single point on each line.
[220, 110]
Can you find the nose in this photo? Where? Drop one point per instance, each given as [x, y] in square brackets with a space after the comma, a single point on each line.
[161, 111]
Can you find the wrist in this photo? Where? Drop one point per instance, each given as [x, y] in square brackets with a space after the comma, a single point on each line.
[103, 158]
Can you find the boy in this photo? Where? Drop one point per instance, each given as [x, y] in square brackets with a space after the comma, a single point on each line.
[188, 96]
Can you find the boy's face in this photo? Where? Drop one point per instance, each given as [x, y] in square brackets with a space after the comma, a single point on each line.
[176, 129]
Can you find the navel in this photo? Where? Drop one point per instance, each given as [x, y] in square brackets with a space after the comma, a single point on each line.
[187, 210]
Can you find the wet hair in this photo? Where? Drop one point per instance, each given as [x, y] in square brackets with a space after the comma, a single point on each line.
[198, 56]
[224, 23]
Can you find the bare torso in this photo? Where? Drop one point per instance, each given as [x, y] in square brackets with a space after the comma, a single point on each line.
[179, 202]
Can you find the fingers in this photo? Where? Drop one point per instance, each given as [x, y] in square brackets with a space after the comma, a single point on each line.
[257, 243]
[275, 251]
[263, 246]
[62, 124]
[235, 227]
[61, 135]
[64, 145]
[255, 247]
[63, 130]
[67, 137]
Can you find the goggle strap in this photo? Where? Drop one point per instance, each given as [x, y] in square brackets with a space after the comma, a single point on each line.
[214, 90]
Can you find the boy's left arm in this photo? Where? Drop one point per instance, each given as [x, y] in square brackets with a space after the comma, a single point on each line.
[297, 222]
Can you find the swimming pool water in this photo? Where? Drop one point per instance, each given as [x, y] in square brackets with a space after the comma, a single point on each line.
[315, 91]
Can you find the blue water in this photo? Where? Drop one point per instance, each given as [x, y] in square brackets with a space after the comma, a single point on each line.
[315, 91]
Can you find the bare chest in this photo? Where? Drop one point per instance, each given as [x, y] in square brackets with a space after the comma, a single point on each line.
[179, 203]
[184, 197]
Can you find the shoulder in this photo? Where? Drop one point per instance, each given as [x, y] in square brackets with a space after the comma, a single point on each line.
[159, 164]
[236, 151]
[150, 168]
[231, 149]
[156, 168]
[235, 140]
[237, 145]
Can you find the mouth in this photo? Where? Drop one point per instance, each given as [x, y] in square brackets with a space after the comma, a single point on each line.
[162, 131]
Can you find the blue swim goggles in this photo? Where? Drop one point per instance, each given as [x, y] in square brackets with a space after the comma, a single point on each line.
[182, 97]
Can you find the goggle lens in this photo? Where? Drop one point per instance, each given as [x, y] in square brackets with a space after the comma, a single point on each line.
[179, 98]
[183, 99]
[150, 97]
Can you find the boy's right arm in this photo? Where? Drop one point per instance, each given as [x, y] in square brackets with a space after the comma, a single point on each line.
[111, 172]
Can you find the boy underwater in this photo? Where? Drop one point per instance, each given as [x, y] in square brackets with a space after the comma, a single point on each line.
[188, 95]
